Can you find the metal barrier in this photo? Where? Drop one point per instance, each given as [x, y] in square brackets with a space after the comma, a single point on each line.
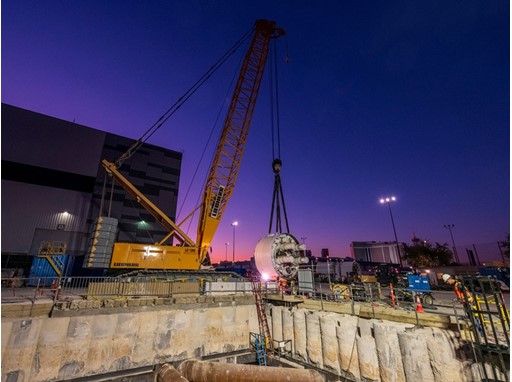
[212, 288]
[363, 292]
[70, 288]
[58, 288]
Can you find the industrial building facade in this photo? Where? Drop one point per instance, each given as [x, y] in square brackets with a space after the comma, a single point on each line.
[374, 251]
[53, 183]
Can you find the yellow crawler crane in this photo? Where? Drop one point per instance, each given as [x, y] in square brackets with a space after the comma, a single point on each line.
[190, 255]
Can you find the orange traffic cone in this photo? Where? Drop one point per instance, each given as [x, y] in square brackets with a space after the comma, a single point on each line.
[392, 294]
[419, 307]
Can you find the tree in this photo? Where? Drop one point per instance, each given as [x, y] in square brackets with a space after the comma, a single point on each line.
[423, 254]
[356, 269]
[505, 245]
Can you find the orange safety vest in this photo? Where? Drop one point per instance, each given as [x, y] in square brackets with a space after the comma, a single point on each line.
[462, 293]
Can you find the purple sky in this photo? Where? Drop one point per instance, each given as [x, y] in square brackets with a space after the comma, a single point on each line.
[404, 98]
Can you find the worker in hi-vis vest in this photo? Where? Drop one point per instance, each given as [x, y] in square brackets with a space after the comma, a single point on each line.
[465, 298]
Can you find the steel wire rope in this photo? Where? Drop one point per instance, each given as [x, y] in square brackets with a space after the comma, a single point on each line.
[271, 99]
[232, 81]
[276, 87]
[278, 197]
[178, 103]
[208, 141]
[175, 108]
[228, 91]
[275, 199]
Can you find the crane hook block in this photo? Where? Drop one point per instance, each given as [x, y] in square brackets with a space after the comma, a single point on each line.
[276, 165]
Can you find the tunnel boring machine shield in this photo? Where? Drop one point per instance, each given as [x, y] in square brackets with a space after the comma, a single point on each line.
[279, 254]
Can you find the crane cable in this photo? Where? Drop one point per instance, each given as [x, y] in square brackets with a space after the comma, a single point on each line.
[274, 115]
[278, 197]
[214, 126]
[182, 99]
[274, 88]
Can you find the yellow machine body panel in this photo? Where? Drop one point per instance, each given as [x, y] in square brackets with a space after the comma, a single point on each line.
[210, 227]
[150, 256]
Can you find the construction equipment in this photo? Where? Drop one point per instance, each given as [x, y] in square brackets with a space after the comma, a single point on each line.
[279, 255]
[341, 292]
[53, 252]
[190, 254]
[489, 321]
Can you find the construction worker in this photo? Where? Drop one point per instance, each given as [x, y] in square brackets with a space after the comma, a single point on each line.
[465, 298]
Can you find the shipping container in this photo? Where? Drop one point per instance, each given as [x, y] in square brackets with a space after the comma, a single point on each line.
[42, 272]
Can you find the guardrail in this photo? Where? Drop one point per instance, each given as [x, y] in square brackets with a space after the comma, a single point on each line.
[58, 288]
[65, 288]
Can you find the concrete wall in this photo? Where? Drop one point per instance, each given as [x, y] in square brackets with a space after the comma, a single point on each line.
[99, 337]
[88, 342]
[363, 349]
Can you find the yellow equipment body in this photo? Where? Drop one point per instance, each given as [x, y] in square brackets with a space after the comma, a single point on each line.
[150, 256]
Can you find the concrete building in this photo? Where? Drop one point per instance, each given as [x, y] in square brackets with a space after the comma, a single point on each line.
[52, 185]
[376, 251]
[242, 267]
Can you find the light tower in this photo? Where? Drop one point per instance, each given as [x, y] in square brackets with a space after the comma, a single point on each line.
[234, 224]
[388, 200]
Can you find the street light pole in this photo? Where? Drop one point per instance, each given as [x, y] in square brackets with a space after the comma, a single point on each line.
[388, 200]
[303, 238]
[226, 252]
[449, 227]
[234, 224]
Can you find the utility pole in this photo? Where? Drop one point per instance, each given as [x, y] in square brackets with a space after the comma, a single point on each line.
[449, 227]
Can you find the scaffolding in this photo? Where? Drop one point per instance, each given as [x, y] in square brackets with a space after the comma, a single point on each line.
[52, 252]
[488, 327]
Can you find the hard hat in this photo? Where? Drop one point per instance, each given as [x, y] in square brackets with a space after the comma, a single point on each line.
[446, 276]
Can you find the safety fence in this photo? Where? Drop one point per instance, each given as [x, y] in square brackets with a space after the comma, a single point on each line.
[85, 287]
[56, 288]
[360, 292]
[61, 287]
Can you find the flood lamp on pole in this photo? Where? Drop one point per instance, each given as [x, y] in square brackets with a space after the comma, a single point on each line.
[234, 224]
[388, 201]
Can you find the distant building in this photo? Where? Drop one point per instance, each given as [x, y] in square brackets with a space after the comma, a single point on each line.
[53, 181]
[376, 251]
[242, 267]
[324, 253]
